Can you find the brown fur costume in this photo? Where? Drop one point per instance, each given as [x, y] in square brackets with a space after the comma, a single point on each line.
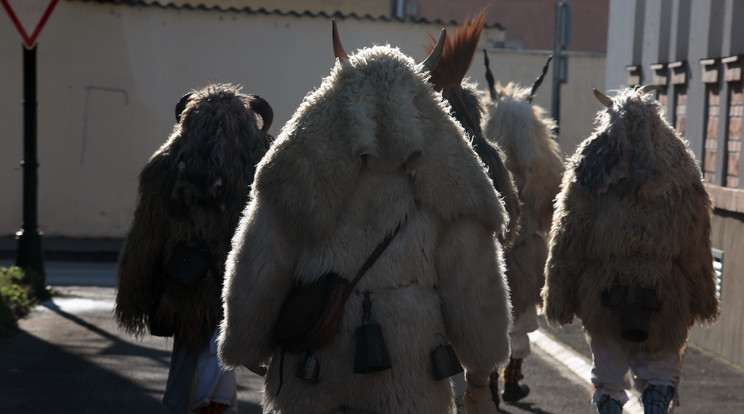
[525, 133]
[373, 147]
[192, 190]
[632, 210]
[465, 106]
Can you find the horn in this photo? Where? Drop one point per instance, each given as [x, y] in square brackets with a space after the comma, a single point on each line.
[489, 75]
[606, 101]
[338, 49]
[431, 61]
[649, 88]
[260, 106]
[539, 79]
[181, 105]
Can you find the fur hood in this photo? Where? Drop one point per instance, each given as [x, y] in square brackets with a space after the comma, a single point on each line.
[632, 211]
[374, 109]
[372, 148]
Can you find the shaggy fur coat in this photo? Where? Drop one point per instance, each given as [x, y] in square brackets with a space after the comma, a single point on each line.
[490, 153]
[525, 133]
[464, 100]
[633, 211]
[192, 190]
[372, 148]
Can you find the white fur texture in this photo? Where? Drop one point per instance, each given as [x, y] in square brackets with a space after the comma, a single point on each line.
[371, 148]
[525, 134]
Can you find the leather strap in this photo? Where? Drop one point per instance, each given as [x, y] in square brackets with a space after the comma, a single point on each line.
[373, 257]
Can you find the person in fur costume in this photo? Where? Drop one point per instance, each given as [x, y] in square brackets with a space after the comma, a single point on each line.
[525, 133]
[371, 150]
[630, 251]
[466, 107]
[464, 100]
[170, 271]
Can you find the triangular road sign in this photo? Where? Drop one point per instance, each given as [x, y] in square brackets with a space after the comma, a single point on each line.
[29, 17]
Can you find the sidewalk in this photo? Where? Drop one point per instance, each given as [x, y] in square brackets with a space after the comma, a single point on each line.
[70, 357]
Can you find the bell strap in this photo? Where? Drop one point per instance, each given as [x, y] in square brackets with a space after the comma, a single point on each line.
[373, 257]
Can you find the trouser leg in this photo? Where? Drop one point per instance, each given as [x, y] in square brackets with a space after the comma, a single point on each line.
[656, 375]
[609, 370]
[181, 376]
[524, 323]
[216, 387]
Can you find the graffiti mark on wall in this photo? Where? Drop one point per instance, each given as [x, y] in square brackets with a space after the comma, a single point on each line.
[88, 92]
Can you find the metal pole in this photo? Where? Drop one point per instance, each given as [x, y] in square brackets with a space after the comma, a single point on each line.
[561, 36]
[555, 102]
[29, 254]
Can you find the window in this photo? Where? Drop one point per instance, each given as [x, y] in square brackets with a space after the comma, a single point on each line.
[712, 110]
[661, 78]
[634, 75]
[679, 95]
[733, 78]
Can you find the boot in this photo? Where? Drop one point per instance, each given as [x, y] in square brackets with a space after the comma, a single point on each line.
[607, 405]
[212, 408]
[656, 398]
[493, 385]
[513, 391]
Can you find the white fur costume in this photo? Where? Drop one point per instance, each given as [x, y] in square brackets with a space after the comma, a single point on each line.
[371, 148]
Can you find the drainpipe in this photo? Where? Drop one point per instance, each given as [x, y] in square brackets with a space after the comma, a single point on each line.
[400, 9]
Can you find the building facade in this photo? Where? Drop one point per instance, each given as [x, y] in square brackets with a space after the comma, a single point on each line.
[694, 49]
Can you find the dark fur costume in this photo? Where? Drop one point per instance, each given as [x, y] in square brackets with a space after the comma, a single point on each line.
[633, 211]
[192, 190]
[465, 106]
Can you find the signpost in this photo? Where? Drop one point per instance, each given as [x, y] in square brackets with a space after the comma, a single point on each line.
[561, 37]
[29, 16]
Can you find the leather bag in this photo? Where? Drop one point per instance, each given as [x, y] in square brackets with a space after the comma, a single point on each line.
[312, 313]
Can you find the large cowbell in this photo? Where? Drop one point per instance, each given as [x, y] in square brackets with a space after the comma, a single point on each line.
[444, 362]
[371, 353]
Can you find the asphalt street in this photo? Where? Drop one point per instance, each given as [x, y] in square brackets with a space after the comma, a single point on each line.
[70, 357]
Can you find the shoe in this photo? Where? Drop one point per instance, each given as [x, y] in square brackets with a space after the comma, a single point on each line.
[513, 391]
[607, 405]
[656, 398]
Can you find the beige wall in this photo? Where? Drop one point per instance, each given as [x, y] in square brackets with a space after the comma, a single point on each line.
[578, 105]
[374, 8]
[109, 77]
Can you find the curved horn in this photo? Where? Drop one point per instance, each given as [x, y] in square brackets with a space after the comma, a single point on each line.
[604, 99]
[338, 49]
[649, 88]
[260, 106]
[489, 75]
[431, 61]
[539, 79]
[181, 105]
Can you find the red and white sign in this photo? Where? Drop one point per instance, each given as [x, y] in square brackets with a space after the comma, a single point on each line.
[29, 17]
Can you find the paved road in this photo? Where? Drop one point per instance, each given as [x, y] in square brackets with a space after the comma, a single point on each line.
[70, 357]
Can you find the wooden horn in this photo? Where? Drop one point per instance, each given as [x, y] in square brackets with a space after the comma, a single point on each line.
[338, 48]
[604, 99]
